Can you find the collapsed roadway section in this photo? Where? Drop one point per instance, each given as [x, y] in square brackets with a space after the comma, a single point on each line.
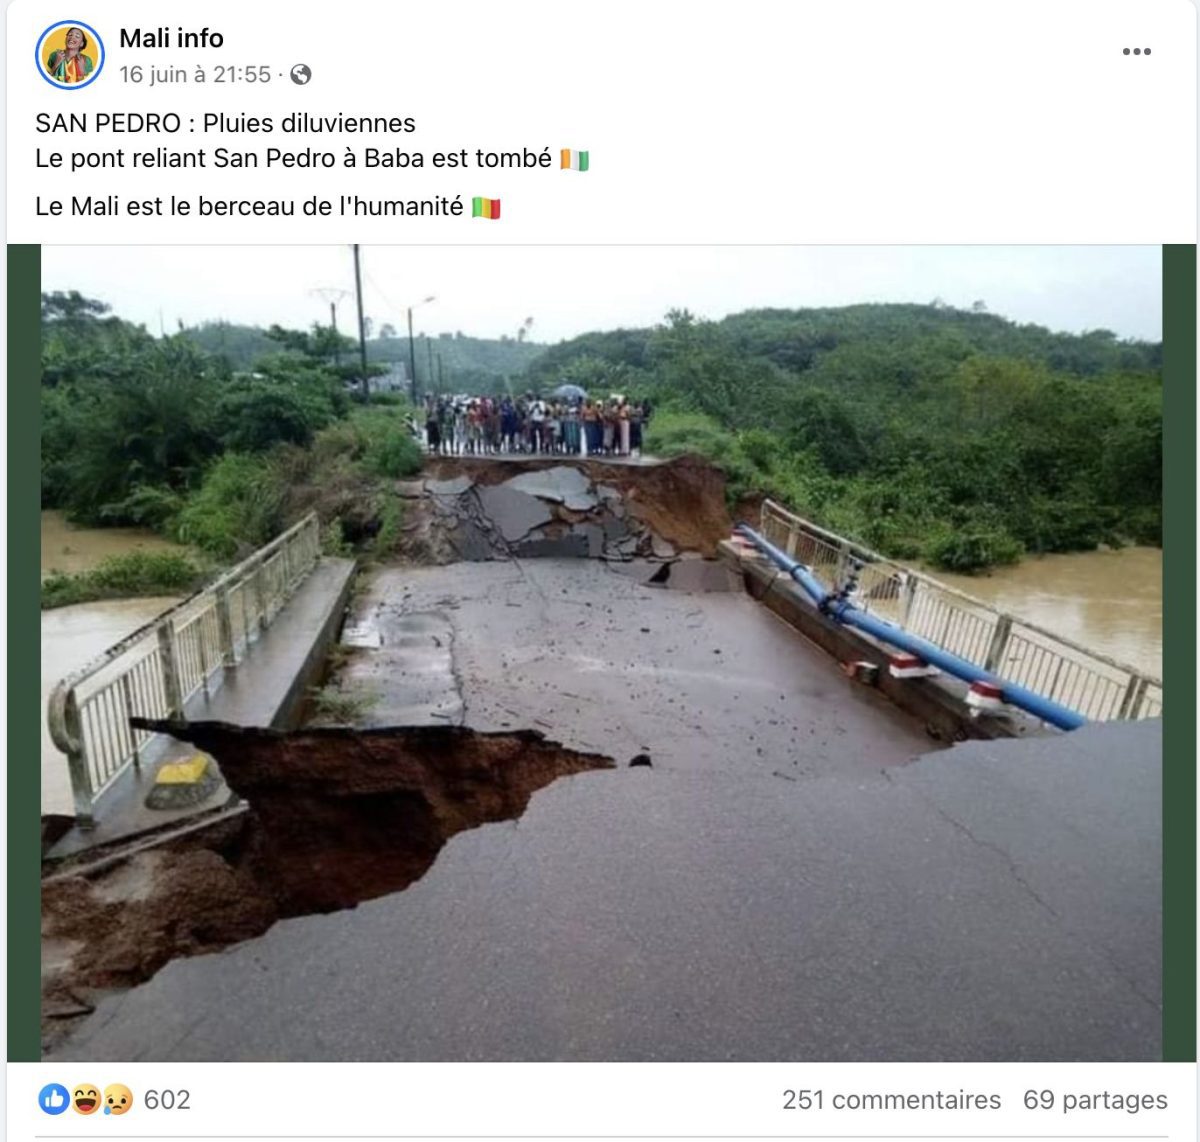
[791, 869]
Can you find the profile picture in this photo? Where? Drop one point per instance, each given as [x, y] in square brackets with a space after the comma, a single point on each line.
[70, 54]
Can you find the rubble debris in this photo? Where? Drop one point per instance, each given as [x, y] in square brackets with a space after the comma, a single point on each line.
[451, 487]
[529, 508]
[513, 512]
[563, 484]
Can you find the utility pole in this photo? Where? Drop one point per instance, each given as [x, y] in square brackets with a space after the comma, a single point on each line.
[362, 336]
[332, 295]
[412, 360]
[412, 348]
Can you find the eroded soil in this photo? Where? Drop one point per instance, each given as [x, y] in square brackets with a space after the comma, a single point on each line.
[681, 500]
[339, 817]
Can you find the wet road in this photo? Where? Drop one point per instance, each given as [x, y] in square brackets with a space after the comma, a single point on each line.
[782, 884]
[594, 659]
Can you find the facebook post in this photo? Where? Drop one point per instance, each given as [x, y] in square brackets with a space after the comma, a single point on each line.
[633, 538]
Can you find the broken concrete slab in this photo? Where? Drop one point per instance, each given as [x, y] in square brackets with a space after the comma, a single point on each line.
[624, 549]
[514, 513]
[572, 545]
[562, 485]
[471, 544]
[454, 487]
[595, 539]
[614, 529]
[409, 489]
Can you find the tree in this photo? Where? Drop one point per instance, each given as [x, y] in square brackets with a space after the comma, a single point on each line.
[71, 308]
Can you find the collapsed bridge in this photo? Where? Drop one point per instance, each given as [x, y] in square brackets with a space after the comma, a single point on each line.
[796, 867]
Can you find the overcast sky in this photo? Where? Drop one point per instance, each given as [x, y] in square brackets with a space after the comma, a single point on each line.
[490, 291]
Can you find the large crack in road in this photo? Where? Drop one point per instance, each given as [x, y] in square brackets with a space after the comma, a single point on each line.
[797, 876]
[338, 816]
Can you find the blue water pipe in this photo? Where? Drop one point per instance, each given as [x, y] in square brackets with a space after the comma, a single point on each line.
[839, 608]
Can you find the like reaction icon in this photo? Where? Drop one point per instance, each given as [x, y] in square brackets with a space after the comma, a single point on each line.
[53, 1098]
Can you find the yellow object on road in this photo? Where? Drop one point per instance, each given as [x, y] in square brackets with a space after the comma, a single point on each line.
[188, 772]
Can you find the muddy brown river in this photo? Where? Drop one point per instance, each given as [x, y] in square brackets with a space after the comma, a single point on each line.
[1109, 601]
[72, 636]
[71, 549]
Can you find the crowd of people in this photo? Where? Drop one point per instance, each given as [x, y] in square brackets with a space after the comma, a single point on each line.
[478, 426]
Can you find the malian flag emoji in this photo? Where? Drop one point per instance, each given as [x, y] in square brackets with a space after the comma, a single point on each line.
[574, 160]
[485, 208]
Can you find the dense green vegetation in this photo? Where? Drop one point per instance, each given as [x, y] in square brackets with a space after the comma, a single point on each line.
[927, 432]
[158, 432]
[124, 576]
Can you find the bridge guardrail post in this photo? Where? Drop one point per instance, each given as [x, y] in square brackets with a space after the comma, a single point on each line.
[1135, 695]
[127, 700]
[792, 539]
[167, 648]
[1135, 710]
[225, 627]
[81, 782]
[314, 540]
[260, 595]
[908, 595]
[244, 592]
[843, 563]
[999, 644]
[202, 648]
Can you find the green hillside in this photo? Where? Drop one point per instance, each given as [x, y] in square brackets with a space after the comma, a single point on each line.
[957, 436]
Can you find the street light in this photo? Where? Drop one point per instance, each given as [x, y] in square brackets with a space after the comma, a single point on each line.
[412, 351]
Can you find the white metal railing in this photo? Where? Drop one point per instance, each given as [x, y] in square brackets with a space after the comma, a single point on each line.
[159, 668]
[1013, 649]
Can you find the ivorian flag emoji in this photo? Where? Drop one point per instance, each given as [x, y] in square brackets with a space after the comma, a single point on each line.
[485, 208]
[574, 160]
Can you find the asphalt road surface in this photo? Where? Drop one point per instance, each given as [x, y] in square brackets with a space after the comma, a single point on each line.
[797, 877]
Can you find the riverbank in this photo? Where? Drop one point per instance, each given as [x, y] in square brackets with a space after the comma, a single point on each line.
[92, 564]
[943, 502]
[72, 549]
[128, 576]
